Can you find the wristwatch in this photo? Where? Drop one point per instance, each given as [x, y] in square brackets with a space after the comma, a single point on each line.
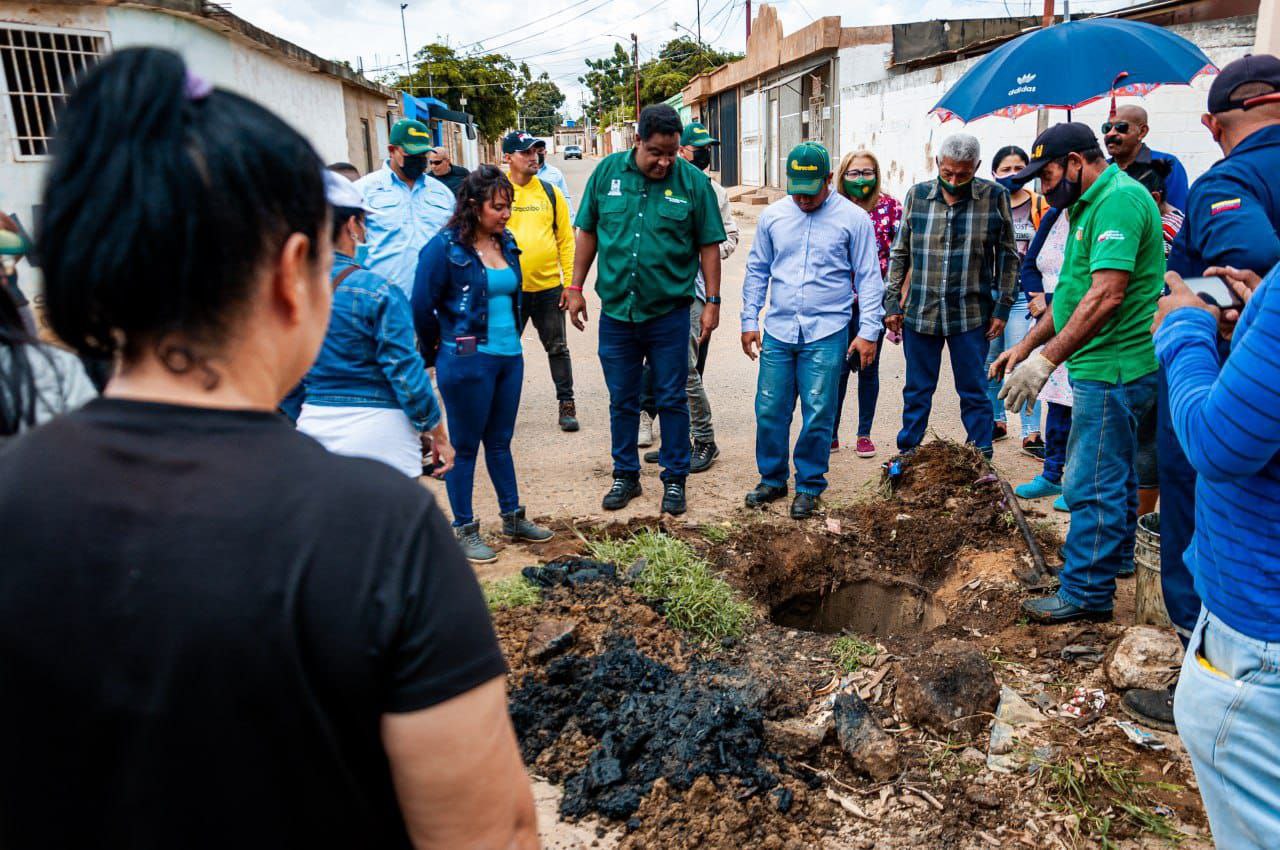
[713, 299]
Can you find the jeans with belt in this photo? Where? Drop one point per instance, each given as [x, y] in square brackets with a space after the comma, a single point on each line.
[1101, 487]
[1228, 714]
[809, 371]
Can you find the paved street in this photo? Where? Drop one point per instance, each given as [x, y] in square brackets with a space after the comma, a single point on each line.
[564, 476]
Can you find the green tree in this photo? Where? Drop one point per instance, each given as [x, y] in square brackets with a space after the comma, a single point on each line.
[540, 101]
[491, 84]
[610, 81]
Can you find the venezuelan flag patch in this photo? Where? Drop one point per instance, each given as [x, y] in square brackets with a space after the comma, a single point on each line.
[1224, 206]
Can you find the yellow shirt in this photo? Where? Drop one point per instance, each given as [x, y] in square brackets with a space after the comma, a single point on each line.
[546, 253]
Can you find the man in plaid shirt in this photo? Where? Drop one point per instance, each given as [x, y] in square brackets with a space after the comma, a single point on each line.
[956, 245]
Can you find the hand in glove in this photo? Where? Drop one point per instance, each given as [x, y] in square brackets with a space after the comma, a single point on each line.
[1023, 386]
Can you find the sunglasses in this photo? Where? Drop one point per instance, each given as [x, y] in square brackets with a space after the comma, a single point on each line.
[1121, 127]
[435, 162]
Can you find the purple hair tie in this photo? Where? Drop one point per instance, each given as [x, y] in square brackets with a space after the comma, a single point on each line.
[196, 86]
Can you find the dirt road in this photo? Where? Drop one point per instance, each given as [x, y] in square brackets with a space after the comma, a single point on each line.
[564, 476]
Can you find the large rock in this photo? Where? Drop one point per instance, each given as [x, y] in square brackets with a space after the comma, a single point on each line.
[797, 736]
[869, 747]
[1143, 657]
[950, 689]
[549, 638]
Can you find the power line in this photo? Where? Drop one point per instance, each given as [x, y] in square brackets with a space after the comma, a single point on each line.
[525, 24]
[582, 14]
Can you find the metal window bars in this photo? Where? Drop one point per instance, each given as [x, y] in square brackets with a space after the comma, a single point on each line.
[39, 68]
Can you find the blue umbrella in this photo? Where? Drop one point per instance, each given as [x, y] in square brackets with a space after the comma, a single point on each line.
[1069, 65]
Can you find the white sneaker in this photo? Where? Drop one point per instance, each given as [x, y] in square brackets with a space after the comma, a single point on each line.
[645, 438]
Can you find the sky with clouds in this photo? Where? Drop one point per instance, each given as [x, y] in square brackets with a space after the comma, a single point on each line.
[555, 36]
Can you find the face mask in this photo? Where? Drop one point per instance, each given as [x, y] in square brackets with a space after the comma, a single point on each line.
[414, 166]
[362, 249]
[860, 188]
[1007, 183]
[542, 159]
[957, 189]
[1066, 193]
[702, 158]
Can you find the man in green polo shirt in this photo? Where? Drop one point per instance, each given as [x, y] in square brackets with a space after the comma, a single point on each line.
[1112, 275]
[653, 219]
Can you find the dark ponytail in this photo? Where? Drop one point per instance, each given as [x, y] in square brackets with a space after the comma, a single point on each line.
[164, 201]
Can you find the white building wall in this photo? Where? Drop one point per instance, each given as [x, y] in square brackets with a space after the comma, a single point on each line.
[889, 114]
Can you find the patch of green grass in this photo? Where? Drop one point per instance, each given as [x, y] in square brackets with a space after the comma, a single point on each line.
[696, 600]
[851, 653]
[715, 534]
[1094, 790]
[512, 592]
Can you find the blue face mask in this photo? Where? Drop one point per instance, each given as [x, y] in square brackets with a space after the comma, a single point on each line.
[1008, 183]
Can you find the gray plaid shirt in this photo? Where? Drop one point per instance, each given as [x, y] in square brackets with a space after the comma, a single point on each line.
[957, 257]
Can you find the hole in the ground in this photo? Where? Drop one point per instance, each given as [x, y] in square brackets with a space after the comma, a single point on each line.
[866, 607]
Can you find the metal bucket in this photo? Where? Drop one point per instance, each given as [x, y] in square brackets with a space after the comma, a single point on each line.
[1148, 594]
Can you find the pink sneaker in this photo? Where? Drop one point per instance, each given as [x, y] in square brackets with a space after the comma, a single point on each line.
[865, 447]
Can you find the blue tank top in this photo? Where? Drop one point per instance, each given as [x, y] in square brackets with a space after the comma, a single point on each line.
[504, 337]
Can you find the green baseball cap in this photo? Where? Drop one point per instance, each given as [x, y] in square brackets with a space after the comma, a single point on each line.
[808, 167]
[411, 136]
[697, 135]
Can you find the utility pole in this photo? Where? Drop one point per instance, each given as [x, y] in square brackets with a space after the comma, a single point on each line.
[635, 69]
[405, 32]
[698, 6]
[1042, 116]
[749, 19]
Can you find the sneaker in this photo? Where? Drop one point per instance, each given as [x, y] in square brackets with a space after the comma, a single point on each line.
[1034, 446]
[476, 550]
[621, 493]
[673, 501]
[999, 432]
[1037, 488]
[1060, 505]
[515, 526]
[704, 454]
[865, 447]
[645, 438]
[803, 505]
[568, 416]
[835, 444]
[764, 494]
[1151, 707]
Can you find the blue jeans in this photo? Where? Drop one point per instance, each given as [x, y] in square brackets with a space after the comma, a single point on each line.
[1229, 720]
[624, 348]
[481, 395]
[1177, 479]
[1018, 326]
[924, 359]
[868, 384]
[1101, 487]
[810, 371]
[1057, 431]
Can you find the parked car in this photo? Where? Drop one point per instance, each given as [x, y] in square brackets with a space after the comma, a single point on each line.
[572, 152]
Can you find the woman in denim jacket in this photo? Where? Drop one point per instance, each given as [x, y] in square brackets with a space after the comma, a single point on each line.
[368, 393]
[466, 305]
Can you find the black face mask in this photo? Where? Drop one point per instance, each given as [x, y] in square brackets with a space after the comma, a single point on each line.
[414, 166]
[1066, 193]
[542, 159]
[702, 157]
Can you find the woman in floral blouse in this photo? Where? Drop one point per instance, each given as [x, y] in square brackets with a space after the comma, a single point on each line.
[858, 179]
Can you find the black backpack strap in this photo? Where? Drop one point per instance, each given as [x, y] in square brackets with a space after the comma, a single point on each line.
[551, 196]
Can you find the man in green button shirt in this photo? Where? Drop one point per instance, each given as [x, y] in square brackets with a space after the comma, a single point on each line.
[1112, 275]
[654, 221]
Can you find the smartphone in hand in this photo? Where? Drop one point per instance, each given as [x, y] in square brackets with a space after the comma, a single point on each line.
[1214, 292]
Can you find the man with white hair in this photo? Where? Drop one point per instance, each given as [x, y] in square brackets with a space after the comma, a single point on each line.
[956, 245]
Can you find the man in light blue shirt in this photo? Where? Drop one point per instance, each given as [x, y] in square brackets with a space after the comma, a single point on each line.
[812, 253]
[408, 206]
[550, 174]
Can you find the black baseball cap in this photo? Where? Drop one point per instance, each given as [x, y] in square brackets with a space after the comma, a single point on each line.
[1055, 143]
[1263, 68]
[519, 141]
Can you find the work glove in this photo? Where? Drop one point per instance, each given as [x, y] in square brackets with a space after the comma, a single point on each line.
[1023, 386]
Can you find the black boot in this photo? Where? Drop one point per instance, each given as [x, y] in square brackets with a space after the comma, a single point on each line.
[624, 489]
[764, 494]
[803, 505]
[704, 454]
[1151, 707]
[568, 416]
[673, 501]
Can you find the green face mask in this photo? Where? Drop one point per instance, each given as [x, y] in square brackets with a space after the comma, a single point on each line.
[958, 189]
[861, 187]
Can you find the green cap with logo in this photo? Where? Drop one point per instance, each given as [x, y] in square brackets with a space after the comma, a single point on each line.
[697, 135]
[808, 167]
[411, 136]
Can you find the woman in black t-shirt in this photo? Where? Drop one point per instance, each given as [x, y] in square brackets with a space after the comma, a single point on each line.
[214, 633]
